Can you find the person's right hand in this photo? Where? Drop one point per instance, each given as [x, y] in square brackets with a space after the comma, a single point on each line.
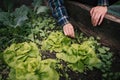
[69, 30]
[97, 14]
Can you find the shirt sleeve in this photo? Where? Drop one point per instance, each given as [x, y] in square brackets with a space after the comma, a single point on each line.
[59, 11]
[103, 2]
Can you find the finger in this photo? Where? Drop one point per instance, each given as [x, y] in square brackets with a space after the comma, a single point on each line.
[65, 30]
[97, 18]
[101, 19]
[71, 32]
[91, 11]
[68, 31]
[93, 18]
[73, 35]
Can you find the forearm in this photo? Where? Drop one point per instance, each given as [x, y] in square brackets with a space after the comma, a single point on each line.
[59, 11]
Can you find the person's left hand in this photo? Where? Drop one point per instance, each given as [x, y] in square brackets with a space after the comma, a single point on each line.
[97, 14]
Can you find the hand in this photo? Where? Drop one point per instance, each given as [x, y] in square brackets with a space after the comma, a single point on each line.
[69, 30]
[97, 14]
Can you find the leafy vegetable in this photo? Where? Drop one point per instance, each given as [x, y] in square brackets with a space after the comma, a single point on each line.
[20, 15]
[78, 56]
[38, 7]
[17, 18]
[47, 70]
[20, 53]
[26, 64]
[55, 42]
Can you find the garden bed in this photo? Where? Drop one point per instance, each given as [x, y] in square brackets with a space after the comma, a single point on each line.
[33, 47]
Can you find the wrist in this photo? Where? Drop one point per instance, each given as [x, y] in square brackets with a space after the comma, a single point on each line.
[67, 24]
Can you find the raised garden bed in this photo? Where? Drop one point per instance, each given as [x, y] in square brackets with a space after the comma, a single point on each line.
[36, 49]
